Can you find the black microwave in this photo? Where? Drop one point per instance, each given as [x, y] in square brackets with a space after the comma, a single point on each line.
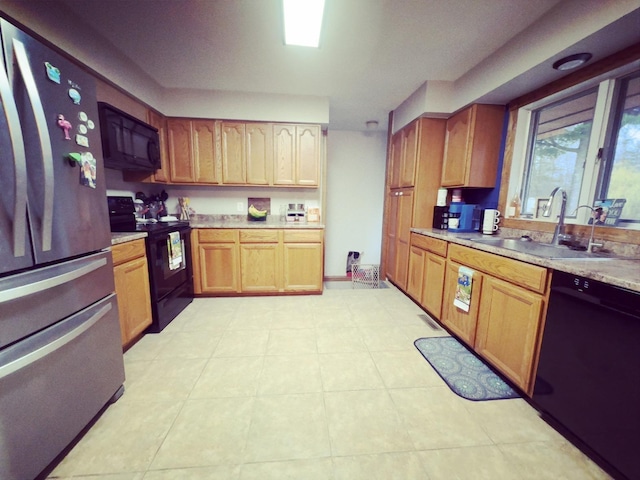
[127, 143]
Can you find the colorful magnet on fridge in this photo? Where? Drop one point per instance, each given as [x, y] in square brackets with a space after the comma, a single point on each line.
[82, 116]
[75, 96]
[90, 124]
[53, 73]
[82, 129]
[74, 158]
[82, 140]
[88, 170]
[65, 125]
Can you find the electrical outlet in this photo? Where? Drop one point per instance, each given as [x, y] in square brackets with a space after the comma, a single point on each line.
[240, 207]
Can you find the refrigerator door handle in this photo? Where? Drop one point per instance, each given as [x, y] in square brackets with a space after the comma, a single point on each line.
[51, 347]
[45, 141]
[35, 287]
[20, 164]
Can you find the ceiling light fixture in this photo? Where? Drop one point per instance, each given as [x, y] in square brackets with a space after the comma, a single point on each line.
[302, 22]
[371, 124]
[572, 61]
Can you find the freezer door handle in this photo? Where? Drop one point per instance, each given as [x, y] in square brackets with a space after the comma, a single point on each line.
[20, 164]
[45, 140]
[35, 287]
[39, 353]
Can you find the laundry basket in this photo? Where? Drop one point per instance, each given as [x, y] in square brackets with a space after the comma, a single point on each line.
[365, 276]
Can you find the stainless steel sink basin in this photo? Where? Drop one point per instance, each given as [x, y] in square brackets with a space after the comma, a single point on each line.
[544, 250]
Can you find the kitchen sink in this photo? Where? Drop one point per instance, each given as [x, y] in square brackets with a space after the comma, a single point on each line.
[545, 250]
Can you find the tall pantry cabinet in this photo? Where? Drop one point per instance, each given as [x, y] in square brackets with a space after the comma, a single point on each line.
[414, 169]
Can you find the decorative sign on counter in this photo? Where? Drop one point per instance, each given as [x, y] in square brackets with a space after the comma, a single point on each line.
[608, 211]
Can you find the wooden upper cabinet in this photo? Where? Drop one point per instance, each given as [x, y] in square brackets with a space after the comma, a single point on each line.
[410, 155]
[404, 157]
[284, 148]
[204, 150]
[259, 153]
[472, 147]
[395, 160]
[181, 165]
[233, 153]
[160, 122]
[297, 152]
[308, 138]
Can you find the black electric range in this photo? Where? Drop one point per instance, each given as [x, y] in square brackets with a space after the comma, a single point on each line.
[170, 272]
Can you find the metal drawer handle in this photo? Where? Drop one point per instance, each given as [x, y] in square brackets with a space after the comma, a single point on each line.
[48, 349]
[31, 288]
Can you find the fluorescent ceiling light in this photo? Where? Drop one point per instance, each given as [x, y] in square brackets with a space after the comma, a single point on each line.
[302, 22]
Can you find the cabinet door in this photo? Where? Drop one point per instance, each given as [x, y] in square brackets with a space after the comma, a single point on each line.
[181, 167]
[260, 267]
[204, 150]
[302, 267]
[462, 323]
[508, 329]
[259, 153]
[158, 121]
[308, 142]
[284, 169]
[217, 268]
[410, 155]
[457, 147]
[396, 160]
[392, 235]
[416, 273]
[233, 153]
[405, 214]
[433, 283]
[134, 304]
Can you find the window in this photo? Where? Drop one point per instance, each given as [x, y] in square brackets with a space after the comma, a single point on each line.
[621, 178]
[586, 141]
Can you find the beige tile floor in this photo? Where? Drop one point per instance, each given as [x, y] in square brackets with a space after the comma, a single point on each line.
[309, 387]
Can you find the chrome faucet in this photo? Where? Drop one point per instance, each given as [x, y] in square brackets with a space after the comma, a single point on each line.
[558, 233]
[594, 219]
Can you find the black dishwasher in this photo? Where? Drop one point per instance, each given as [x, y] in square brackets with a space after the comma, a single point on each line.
[588, 378]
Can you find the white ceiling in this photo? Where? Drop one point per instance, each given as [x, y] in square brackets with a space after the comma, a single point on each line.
[373, 53]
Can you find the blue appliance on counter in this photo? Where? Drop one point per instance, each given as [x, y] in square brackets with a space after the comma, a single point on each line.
[469, 217]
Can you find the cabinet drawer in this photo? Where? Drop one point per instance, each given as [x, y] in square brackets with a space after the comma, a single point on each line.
[123, 252]
[516, 272]
[259, 236]
[302, 236]
[213, 235]
[435, 245]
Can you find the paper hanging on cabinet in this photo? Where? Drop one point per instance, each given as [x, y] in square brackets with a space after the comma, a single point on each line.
[462, 298]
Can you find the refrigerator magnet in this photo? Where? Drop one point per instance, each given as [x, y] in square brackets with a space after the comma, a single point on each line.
[65, 125]
[82, 129]
[90, 124]
[82, 140]
[82, 116]
[88, 170]
[75, 96]
[53, 73]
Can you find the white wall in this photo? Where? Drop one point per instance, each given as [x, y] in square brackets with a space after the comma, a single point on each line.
[355, 197]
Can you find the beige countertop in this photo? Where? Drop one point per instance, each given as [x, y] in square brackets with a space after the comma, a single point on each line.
[241, 221]
[123, 237]
[623, 272]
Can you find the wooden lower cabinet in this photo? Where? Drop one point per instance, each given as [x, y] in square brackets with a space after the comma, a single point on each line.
[461, 323]
[508, 327]
[131, 276]
[215, 261]
[259, 266]
[425, 280]
[257, 261]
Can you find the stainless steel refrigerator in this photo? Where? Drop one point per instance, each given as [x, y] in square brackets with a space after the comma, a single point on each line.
[60, 352]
